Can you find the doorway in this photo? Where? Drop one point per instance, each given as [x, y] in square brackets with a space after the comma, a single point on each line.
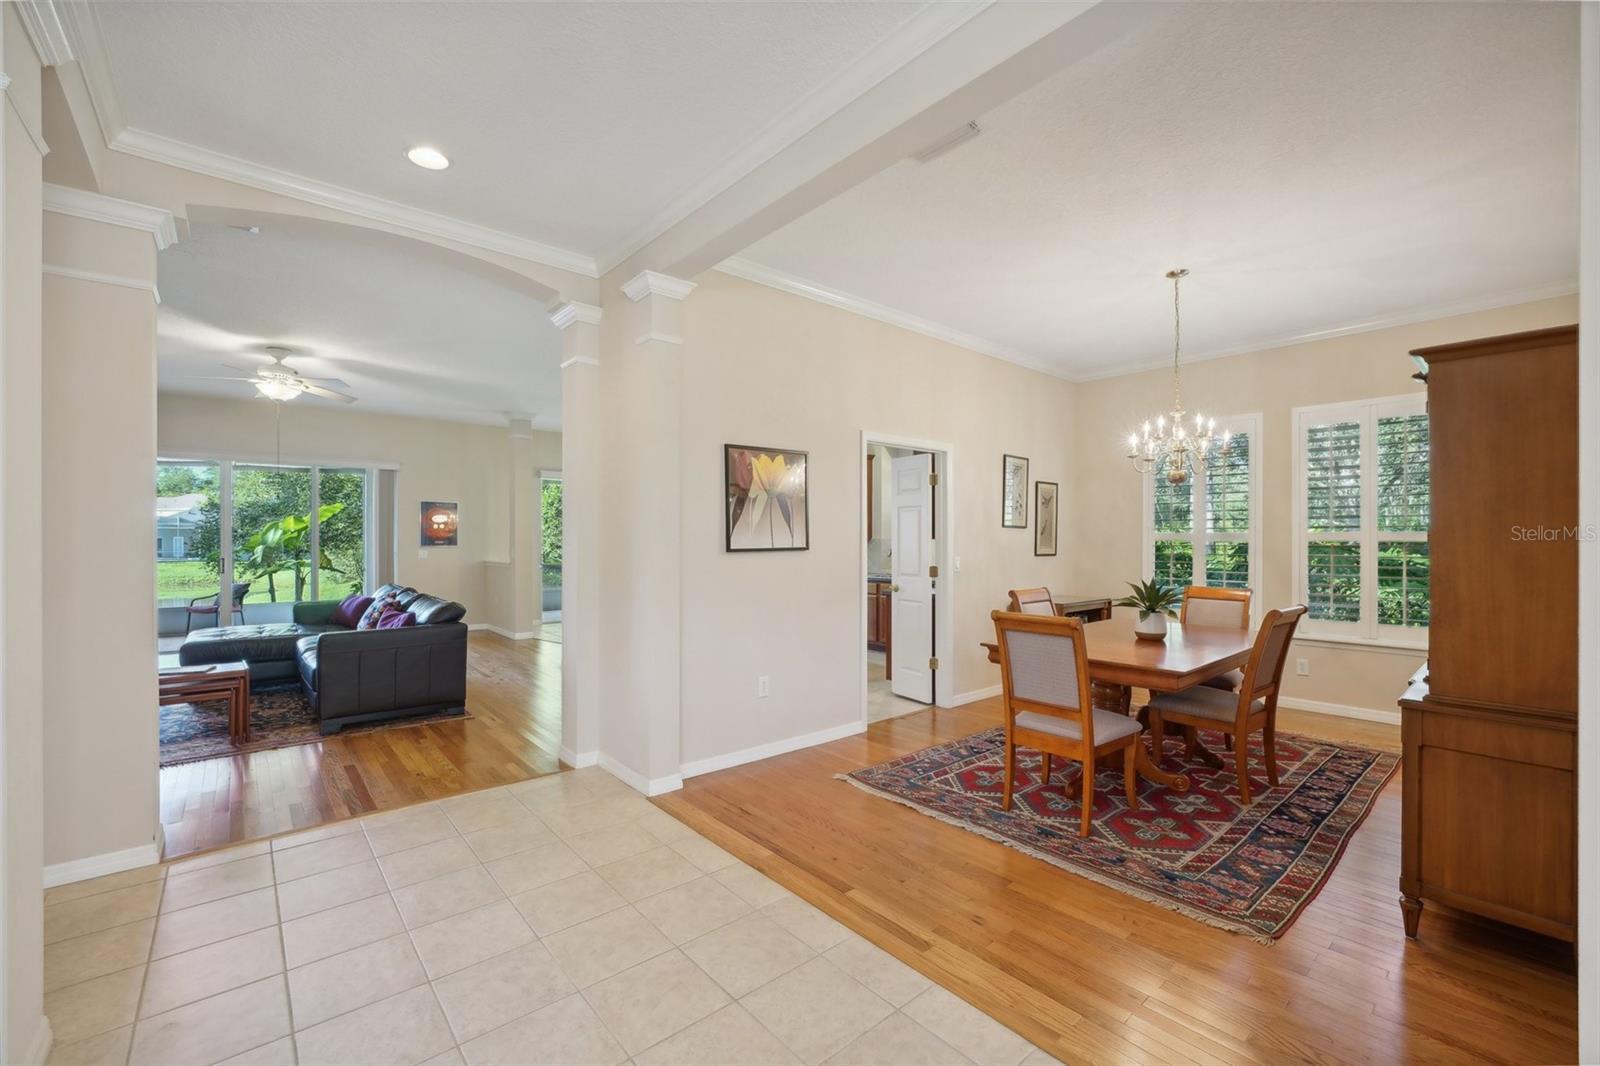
[905, 582]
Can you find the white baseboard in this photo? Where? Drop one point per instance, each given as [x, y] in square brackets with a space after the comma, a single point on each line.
[1343, 710]
[974, 696]
[578, 760]
[508, 634]
[43, 1040]
[767, 751]
[113, 862]
[637, 781]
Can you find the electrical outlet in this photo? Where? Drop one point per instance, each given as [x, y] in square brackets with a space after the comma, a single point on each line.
[1302, 667]
[422, 553]
[763, 687]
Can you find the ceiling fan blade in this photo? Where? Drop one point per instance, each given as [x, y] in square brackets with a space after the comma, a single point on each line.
[328, 394]
[251, 370]
[331, 383]
[213, 377]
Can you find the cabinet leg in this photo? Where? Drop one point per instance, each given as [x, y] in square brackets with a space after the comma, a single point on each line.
[1411, 911]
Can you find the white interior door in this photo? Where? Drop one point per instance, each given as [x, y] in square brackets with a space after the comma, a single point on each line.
[912, 624]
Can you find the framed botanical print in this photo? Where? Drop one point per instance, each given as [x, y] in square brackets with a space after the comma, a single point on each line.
[1014, 492]
[1046, 495]
[765, 507]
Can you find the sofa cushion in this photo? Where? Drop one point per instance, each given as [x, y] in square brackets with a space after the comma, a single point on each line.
[251, 643]
[377, 609]
[433, 611]
[390, 589]
[349, 612]
[405, 598]
[306, 657]
[397, 620]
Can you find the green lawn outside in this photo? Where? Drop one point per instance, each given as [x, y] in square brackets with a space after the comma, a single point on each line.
[179, 581]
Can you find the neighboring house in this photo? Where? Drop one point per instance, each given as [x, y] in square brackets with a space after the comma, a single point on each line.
[177, 517]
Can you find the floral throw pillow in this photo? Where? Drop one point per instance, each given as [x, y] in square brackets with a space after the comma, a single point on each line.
[371, 616]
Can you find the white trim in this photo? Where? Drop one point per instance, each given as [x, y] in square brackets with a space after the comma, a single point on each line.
[637, 781]
[191, 157]
[1387, 647]
[767, 751]
[913, 37]
[564, 315]
[654, 283]
[655, 335]
[797, 286]
[580, 360]
[477, 627]
[88, 45]
[104, 279]
[975, 695]
[112, 862]
[42, 21]
[1343, 710]
[578, 760]
[44, 1039]
[80, 203]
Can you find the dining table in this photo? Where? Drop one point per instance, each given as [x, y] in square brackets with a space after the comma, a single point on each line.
[1120, 661]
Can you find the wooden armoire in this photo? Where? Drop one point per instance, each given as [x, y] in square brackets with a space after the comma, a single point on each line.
[1489, 724]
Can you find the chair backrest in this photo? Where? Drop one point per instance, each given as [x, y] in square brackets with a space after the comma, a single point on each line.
[240, 590]
[1265, 669]
[1204, 605]
[1045, 668]
[1032, 601]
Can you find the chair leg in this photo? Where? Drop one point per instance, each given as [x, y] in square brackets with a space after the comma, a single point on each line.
[1241, 762]
[1269, 745]
[1011, 769]
[1044, 761]
[1088, 796]
[1158, 746]
[1227, 741]
[1191, 743]
[1130, 776]
[188, 624]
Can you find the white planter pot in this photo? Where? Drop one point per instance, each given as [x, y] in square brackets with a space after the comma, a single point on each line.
[1151, 627]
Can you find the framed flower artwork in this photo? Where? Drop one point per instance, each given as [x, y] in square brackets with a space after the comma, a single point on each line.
[765, 507]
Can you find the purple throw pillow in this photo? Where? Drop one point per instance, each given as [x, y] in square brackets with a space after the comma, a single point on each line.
[348, 613]
[397, 620]
[370, 617]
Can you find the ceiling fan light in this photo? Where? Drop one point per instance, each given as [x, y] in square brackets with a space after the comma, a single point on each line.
[277, 390]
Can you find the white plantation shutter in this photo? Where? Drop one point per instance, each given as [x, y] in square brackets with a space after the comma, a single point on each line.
[1361, 537]
[1201, 532]
[1228, 516]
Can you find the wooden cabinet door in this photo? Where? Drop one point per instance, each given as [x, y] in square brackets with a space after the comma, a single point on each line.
[872, 614]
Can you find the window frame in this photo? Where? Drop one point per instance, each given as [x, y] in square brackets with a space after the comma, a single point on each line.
[1198, 538]
[1366, 413]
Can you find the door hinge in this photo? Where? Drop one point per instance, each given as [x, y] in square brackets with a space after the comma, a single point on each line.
[933, 664]
[933, 479]
[933, 571]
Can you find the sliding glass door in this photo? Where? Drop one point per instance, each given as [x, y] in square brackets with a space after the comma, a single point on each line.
[342, 533]
[271, 538]
[188, 564]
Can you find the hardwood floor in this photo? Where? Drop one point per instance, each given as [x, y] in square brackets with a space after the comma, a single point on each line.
[1093, 975]
[513, 694]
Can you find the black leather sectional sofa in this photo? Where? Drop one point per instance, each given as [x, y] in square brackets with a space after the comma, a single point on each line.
[353, 676]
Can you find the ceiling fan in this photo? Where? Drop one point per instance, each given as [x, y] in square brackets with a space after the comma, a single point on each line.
[279, 382]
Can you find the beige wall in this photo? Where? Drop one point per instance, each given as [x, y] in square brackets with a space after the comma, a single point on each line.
[1104, 506]
[436, 460]
[22, 1025]
[767, 368]
[99, 451]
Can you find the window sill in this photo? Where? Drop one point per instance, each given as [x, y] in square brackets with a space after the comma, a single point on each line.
[1388, 646]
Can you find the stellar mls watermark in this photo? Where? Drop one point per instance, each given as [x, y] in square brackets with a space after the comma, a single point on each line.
[1584, 534]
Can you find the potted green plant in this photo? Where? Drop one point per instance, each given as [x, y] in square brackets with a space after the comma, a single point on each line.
[1154, 602]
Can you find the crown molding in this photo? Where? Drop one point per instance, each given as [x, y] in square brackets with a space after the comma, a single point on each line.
[651, 283]
[88, 45]
[810, 290]
[572, 311]
[42, 20]
[99, 278]
[80, 203]
[159, 149]
[916, 35]
[580, 360]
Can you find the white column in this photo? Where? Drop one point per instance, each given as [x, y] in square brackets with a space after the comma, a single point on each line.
[524, 528]
[581, 429]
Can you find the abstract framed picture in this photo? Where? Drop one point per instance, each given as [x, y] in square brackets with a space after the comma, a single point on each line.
[1046, 497]
[765, 507]
[1014, 492]
[440, 521]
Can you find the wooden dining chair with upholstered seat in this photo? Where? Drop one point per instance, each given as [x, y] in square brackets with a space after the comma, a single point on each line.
[1254, 707]
[1204, 605]
[1032, 601]
[1044, 678]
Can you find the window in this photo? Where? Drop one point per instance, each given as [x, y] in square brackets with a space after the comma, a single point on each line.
[1361, 544]
[1205, 530]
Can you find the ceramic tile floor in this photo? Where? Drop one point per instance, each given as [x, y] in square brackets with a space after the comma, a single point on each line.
[561, 920]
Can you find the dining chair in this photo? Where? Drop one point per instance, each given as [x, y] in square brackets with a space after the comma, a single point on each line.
[1204, 605]
[1032, 601]
[1044, 679]
[1254, 707]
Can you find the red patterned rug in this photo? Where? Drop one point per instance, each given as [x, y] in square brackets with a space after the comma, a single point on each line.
[1249, 870]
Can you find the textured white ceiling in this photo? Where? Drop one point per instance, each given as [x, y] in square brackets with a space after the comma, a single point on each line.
[411, 328]
[574, 124]
[1317, 166]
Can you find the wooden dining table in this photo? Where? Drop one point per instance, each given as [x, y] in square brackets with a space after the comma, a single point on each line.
[1120, 661]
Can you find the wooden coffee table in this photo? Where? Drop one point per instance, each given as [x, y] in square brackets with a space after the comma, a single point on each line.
[214, 681]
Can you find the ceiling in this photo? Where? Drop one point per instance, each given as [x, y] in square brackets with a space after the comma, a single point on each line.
[412, 328]
[1318, 167]
[585, 126]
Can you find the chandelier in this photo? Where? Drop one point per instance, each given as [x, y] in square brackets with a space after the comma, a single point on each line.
[1174, 447]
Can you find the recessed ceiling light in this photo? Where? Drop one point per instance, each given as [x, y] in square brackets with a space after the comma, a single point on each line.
[428, 158]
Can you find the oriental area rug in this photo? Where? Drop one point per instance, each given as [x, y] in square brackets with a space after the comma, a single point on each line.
[1249, 870]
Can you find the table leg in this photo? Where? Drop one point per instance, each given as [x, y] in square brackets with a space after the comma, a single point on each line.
[1151, 772]
[1197, 750]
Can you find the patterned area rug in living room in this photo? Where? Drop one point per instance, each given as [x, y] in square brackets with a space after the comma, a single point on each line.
[279, 718]
[1249, 870]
